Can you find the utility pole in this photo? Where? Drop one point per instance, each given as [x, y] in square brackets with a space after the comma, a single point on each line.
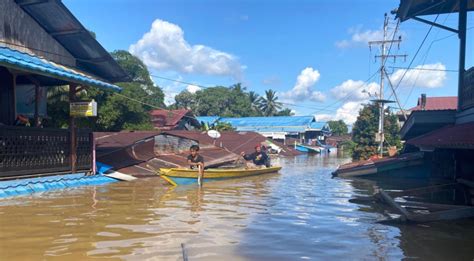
[380, 137]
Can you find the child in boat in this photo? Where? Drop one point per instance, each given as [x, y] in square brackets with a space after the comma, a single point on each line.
[196, 161]
[259, 158]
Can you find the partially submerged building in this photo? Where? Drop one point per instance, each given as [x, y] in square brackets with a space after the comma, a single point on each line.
[43, 45]
[429, 114]
[286, 129]
[181, 119]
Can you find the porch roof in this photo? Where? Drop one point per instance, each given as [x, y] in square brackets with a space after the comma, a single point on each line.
[458, 136]
[29, 63]
[412, 8]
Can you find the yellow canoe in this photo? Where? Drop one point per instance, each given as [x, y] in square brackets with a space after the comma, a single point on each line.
[183, 176]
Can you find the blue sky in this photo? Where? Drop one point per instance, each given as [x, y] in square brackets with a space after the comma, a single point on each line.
[314, 53]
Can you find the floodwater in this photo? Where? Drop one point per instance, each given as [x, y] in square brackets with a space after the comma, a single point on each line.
[300, 214]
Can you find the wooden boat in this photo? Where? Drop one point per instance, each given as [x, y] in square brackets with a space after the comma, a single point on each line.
[308, 148]
[183, 176]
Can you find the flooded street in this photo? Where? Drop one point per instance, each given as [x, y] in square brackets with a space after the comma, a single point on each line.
[301, 213]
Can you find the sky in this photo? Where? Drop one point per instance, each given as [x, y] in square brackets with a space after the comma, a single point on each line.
[315, 54]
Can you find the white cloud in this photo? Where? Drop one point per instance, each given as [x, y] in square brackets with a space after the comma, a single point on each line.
[348, 112]
[193, 88]
[303, 87]
[360, 37]
[164, 48]
[425, 76]
[355, 90]
[354, 94]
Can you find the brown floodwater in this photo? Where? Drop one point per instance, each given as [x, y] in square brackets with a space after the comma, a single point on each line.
[300, 214]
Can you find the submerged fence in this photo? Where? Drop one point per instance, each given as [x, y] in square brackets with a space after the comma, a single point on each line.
[30, 151]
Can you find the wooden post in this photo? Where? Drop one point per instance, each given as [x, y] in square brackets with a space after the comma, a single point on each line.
[72, 130]
[14, 97]
[462, 24]
[37, 105]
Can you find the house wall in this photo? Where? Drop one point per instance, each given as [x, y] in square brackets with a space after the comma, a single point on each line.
[17, 27]
[166, 144]
[465, 116]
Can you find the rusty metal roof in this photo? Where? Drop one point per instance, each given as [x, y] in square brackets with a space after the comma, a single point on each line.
[459, 136]
[234, 141]
[437, 103]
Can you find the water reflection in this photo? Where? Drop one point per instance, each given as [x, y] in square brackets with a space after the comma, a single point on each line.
[301, 213]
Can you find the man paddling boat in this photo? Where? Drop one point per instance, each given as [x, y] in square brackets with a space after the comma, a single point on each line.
[196, 161]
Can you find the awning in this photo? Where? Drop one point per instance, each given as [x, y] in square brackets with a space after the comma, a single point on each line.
[451, 137]
[28, 63]
[61, 24]
[411, 8]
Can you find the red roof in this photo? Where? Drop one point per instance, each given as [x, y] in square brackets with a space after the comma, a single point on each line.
[437, 103]
[451, 137]
[167, 119]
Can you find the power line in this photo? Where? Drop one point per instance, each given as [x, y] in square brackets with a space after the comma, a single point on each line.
[423, 69]
[413, 59]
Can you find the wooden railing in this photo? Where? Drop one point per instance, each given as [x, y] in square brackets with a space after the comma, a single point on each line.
[31, 151]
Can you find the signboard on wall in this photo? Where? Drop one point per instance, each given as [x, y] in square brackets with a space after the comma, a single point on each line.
[83, 109]
[25, 100]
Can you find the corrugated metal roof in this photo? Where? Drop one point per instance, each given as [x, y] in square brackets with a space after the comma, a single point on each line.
[235, 141]
[451, 137]
[437, 104]
[411, 8]
[29, 63]
[278, 121]
[61, 24]
[290, 124]
[169, 119]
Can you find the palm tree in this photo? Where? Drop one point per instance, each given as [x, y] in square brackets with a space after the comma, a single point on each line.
[255, 102]
[269, 104]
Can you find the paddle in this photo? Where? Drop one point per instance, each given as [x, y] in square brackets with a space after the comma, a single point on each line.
[200, 174]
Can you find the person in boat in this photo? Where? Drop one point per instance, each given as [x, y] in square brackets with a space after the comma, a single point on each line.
[196, 161]
[259, 158]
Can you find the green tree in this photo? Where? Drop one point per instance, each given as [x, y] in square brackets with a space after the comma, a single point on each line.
[223, 126]
[254, 99]
[285, 112]
[338, 128]
[125, 111]
[269, 103]
[185, 100]
[365, 128]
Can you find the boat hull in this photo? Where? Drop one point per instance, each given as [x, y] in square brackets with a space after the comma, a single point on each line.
[308, 149]
[181, 176]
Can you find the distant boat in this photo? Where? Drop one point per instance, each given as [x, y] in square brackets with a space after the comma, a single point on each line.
[307, 148]
[183, 176]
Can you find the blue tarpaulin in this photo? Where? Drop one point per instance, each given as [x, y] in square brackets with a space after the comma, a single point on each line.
[25, 62]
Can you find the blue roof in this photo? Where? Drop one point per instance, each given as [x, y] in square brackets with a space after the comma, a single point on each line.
[26, 62]
[318, 125]
[209, 120]
[275, 124]
[277, 121]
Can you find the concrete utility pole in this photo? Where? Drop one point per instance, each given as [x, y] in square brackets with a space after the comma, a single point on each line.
[383, 57]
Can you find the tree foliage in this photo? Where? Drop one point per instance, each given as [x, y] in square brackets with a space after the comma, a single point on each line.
[269, 104]
[365, 128]
[233, 101]
[125, 111]
[338, 128]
